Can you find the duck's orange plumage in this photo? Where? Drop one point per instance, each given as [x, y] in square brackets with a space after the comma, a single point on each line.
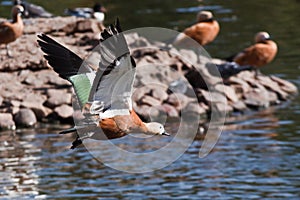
[121, 125]
[104, 95]
[204, 31]
[10, 31]
[259, 54]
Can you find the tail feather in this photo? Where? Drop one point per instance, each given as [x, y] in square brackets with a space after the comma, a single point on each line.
[70, 130]
[230, 69]
[76, 143]
[85, 131]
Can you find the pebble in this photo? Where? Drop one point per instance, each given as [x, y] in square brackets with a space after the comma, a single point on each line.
[64, 111]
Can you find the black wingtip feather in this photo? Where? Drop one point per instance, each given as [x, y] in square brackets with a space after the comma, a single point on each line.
[76, 143]
[118, 26]
[63, 61]
[113, 30]
[229, 69]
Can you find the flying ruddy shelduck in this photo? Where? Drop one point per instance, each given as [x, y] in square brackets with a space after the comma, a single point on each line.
[104, 95]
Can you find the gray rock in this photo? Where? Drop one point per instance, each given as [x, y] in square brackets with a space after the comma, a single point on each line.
[213, 97]
[179, 86]
[25, 117]
[135, 41]
[1, 100]
[248, 76]
[48, 25]
[33, 98]
[160, 94]
[34, 81]
[15, 103]
[169, 109]
[239, 106]
[15, 106]
[239, 85]
[179, 101]
[6, 121]
[286, 86]
[35, 102]
[147, 112]
[257, 98]
[14, 110]
[57, 98]
[139, 93]
[87, 25]
[64, 111]
[221, 108]
[194, 109]
[189, 56]
[25, 56]
[228, 91]
[155, 73]
[150, 101]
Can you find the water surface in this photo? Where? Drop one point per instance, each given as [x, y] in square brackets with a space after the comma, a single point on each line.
[257, 156]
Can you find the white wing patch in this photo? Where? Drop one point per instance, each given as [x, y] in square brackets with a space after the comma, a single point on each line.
[91, 76]
[99, 16]
[115, 90]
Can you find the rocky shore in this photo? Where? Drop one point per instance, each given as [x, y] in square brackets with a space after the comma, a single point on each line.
[166, 84]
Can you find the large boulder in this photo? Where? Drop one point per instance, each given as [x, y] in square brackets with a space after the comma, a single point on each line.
[25, 117]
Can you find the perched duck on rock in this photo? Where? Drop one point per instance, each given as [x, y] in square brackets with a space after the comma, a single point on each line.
[204, 31]
[228, 69]
[97, 12]
[10, 31]
[261, 53]
[33, 10]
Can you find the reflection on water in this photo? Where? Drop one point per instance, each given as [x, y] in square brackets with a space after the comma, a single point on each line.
[257, 156]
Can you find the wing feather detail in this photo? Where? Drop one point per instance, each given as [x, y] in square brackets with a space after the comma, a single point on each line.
[114, 79]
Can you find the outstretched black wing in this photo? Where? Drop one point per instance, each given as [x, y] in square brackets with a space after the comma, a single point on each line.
[62, 60]
[112, 86]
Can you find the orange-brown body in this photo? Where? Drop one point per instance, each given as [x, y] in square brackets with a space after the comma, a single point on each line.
[203, 32]
[258, 54]
[9, 32]
[122, 125]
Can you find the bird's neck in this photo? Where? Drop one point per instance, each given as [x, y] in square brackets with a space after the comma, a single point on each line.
[17, 18]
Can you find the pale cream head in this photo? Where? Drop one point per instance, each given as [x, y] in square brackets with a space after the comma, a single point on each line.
[204, 15]
[155, 128]
[17, 10]
[261, 37]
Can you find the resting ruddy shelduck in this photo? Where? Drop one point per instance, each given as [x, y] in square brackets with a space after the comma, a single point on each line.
[32, 10]
[204, 31]
[10, 31]
[261, 53]
[105, 94]
[97, 12]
